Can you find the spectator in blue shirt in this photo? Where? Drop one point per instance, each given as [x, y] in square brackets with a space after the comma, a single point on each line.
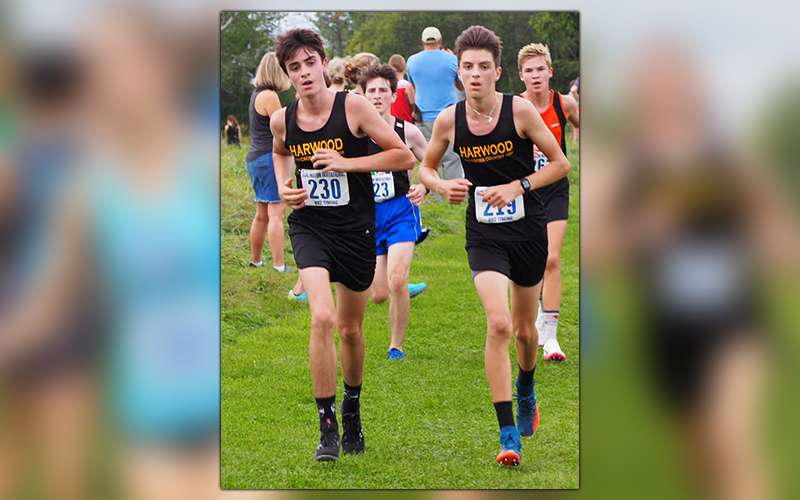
[433, 74]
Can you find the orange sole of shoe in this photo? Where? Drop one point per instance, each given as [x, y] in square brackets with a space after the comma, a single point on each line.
[508, 457]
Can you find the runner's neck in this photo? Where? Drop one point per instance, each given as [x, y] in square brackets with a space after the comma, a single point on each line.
[539, 99]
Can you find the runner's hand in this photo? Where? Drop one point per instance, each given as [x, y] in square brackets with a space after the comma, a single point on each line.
[500, 196]
[328, 160]
[295, 198]
[454, 190]
[416, 194]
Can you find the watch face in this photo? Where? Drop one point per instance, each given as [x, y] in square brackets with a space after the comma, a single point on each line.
[526, 185]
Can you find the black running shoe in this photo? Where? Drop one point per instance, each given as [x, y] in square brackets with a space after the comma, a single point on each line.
[352, 436]
[328, 449]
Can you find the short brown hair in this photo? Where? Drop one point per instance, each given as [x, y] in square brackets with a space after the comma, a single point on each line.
[479, 38]
[287, 44]
[383, 71]
[398, 63]
[534, 50]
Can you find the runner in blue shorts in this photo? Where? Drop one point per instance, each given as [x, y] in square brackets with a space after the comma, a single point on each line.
[397, 224]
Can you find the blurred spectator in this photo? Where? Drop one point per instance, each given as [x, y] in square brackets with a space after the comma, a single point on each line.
[573, 91]
[270, 209]
[688, 226]
[354, 66]
[401, 108]
[433, 76]
[336, 71]
[232, 131]
[47, 354]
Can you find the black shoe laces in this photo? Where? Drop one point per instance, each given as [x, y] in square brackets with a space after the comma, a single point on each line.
[351, 428]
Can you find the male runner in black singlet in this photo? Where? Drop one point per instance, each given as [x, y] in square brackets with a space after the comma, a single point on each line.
[494, 135]
[332, 226]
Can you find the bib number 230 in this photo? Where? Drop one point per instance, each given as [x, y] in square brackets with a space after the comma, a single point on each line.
[328, 189]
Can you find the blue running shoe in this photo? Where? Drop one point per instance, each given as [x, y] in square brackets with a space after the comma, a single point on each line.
[396, 354]
[510, 454]
[527, 414]
[302, 297]
[415, 289]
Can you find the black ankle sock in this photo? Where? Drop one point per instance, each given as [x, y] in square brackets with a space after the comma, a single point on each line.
[505, 413]
[350, 403]
[327, 409]
[525, 378]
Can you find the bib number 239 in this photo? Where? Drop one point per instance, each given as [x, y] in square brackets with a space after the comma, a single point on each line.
[328, 189]
[488, 214]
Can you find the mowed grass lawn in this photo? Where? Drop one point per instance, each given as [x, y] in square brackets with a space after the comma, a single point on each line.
[428, 420]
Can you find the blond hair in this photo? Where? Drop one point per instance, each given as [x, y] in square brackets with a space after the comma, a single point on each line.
[534, 50]
[356, 63]
[336, 69]
[269, 74]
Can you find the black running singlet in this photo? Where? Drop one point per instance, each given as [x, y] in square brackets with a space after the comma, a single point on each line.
[400, 177]
[337, 201]
[499, 157]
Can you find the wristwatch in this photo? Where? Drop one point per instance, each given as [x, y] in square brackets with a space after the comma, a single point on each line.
[526, 184]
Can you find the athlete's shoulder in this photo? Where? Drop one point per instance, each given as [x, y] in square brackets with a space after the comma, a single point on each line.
[280, 114]
[568, 102]
[277, 121]
[412, 131]
[355, 103]
[448, 115]
[521, 105]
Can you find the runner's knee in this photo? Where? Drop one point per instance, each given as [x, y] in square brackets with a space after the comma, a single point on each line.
[323, 322]
[553, 261]
[499, 326]
[350, 331]
[379, 297]
[524, 332]
[398, 282]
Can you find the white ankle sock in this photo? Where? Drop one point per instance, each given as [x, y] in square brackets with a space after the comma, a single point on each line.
[550, 325]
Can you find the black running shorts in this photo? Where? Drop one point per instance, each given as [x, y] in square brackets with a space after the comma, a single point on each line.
[522, 261]
[555, 198]
[348, 256]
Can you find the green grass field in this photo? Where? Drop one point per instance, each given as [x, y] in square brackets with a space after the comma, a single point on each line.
[428, 420]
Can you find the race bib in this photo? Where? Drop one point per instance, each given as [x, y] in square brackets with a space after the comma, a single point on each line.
[540, 162]
[328, 189]
[488, 214]
[382, 186]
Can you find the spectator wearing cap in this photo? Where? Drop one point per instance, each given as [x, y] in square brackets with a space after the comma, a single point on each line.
[433, 76]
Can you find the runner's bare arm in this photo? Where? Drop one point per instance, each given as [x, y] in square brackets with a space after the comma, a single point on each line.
[395, 154]
[283, 161]
[530, 124]
[416, 143]
[454, 190]
[571, 110]
[411, 94]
